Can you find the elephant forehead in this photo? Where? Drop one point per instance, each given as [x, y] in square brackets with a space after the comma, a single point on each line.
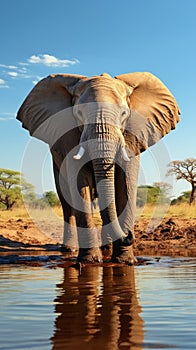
[102, 89]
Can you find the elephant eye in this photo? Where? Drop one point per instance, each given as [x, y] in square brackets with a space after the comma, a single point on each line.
[124, 114]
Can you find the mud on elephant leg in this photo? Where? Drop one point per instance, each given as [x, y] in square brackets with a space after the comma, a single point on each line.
[89, 250]
[106, 244]
[70, 238]
[89, 255]
[123, 251]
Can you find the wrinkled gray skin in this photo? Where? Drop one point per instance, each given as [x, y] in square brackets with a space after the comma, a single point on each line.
[113, 121]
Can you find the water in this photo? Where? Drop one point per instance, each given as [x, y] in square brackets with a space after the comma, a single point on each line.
[105, 308]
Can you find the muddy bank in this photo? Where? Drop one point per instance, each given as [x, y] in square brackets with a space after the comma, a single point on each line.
[173, 236]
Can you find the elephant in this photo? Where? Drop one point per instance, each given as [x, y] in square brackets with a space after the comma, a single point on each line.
[96, 128]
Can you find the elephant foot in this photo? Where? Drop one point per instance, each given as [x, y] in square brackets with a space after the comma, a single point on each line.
[68, 249]
[123, 250]
[106, 251]
[124, 256]
[89, 255]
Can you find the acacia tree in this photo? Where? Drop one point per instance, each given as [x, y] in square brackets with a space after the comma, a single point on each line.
[51, 198]
[185, 170]
[12, 184]
[165, 189]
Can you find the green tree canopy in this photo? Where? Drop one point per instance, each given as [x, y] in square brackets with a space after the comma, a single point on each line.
[51, 198]
[12, 185]
[183, 198]
[152, 194]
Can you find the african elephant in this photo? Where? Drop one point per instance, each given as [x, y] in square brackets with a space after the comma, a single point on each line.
[96, 128]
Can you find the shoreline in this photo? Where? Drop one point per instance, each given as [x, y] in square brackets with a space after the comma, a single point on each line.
[172, 237]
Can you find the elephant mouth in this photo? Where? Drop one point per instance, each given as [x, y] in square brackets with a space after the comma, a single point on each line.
[81, 152]
[104, 142]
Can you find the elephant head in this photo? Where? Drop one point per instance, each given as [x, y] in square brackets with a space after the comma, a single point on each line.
[116, 117]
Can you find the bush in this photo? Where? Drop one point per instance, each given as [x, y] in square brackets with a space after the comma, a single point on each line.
[183, 198]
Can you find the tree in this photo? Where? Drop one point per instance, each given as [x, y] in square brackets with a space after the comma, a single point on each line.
[141, 196]
[30, 199]
[51, 198]
[157, 194]
[185, 170]
[164, 189]
[12, 184]
[183, 198]
[147, 194]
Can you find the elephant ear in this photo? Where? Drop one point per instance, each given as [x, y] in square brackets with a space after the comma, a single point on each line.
[154, 111]
[46, 108]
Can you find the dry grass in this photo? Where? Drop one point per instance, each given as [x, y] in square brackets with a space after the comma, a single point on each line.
[24, 213]
[182, 211]
[14, 213]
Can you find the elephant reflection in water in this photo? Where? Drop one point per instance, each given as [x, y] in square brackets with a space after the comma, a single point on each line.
[98, 309]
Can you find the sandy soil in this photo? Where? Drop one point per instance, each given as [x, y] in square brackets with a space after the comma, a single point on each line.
[174, 236]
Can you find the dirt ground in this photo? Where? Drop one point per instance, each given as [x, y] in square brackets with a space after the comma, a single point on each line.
[174, 236]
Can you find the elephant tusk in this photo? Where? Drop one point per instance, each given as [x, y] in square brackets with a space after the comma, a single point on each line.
[124, 154]
[79, 154]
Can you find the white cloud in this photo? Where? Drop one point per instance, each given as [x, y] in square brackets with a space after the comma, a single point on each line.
[19, 74]
[15, 71]
[13, 74]
[23, 69]
[7, 116]
[2, 119]
[3, 84]
[51, 61]
[34, 82]
[8, 67]
[23, 64]
[37, 79]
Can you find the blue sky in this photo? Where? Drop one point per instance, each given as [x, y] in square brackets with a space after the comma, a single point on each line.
[91, 37]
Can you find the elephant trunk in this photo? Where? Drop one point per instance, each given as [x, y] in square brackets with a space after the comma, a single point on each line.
[104, 178]
[103, 149]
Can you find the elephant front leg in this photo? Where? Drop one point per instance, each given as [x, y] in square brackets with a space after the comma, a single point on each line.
[70, 238]
[126, 192]
[80, 181]
[89, 244]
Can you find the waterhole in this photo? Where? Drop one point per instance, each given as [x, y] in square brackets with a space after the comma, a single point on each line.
[150, 306]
